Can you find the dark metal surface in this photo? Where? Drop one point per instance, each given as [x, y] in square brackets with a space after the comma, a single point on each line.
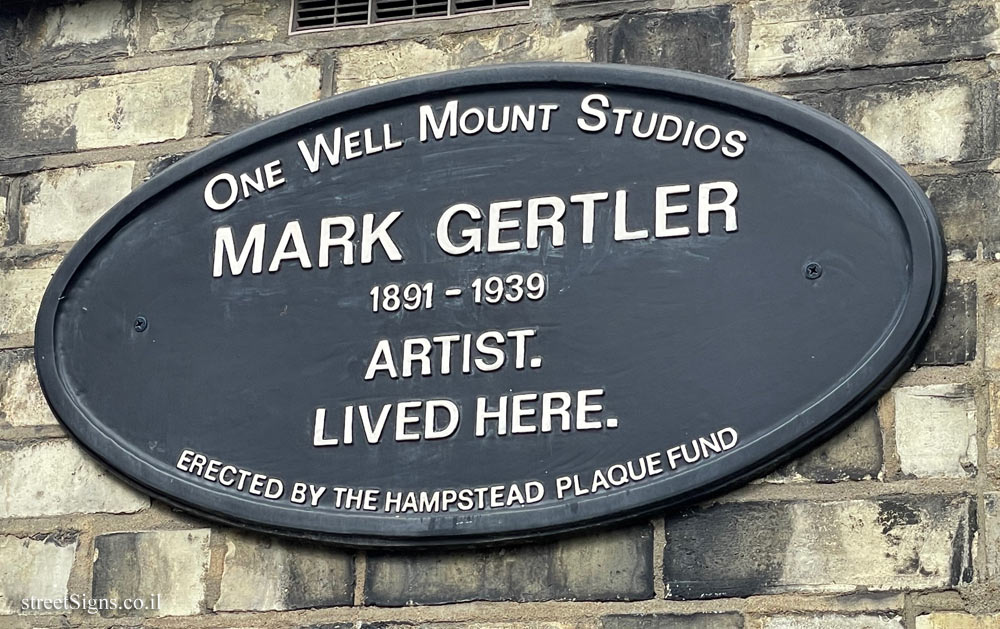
[781, 330]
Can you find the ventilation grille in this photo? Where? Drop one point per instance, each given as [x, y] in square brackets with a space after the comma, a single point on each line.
[313, 15]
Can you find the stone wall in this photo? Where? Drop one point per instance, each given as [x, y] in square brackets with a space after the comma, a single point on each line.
[895, 523]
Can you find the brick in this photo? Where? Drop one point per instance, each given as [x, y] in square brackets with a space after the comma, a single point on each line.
[21, 400]
[674, 621]
[832, 621]
[119, 110]
[36, 568]
[853, 454]
[958, 620]
[21, 291]
[968, 218]
[612, 565]
[936, 430]
[55, 477]
[362, 66]
[173, 564]
[59, 205]
[953, 339]
[264, 574]
[249, 90]
[697, 41]
[919, 122]
[795, 36]
[991, 533]
[184, 24]
[771, 547]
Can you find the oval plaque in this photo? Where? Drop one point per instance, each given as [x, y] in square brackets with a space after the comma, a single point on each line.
[491, 304]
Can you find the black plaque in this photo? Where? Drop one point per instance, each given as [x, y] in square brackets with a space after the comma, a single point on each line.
[491, 304]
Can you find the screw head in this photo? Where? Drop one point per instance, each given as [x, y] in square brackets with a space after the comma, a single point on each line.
[140, 324]
[812, 270]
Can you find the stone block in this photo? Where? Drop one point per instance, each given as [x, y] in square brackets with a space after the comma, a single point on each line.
[55, 477]
[607, 566]
[171, 564]
[771, 547]
[936, 430]
[853, 454]
[107, 111]
[919, 122]
[993, 432]
[185, 24]
[991, 534]
[34, 568]
[699, 40]
[264, 574]
[796, 36]
[362, 66]
[160, 164]
[6, 220]
[953, 339]
[968, 215]
[249, 90]
[21, 400]
[521, 624]
[958, 620]
[832, 621]
[674, 621]
[60, 205]
[67, 32]
[21, 291]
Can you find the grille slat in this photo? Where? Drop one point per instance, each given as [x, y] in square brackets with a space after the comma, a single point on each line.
[311, 15]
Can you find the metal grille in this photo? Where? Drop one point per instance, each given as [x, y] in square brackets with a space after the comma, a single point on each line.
[313, 15]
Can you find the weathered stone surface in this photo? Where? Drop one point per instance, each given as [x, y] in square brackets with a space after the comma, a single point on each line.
[854, 454]
[832, 621]
[21, 399]
[919, 122]
[55, 477]
[953, 339]
[21, 291]
[790, 36]
[674, 621]
[891, 543]
[993, 432]
[118, 110]
[5, 218]
[958, 620]
[969, 218]
[936, 430]
[362, 66]
[527, 624]
[611, 565]
[36, 568]
[699, 40]
[180, 24]
[264, 573]
[249, 90]
[172, 564]
[991, 534]
[59, 205]
[69, 32]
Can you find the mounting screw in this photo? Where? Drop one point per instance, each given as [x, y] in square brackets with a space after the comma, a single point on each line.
[140, 324]
[812, 271]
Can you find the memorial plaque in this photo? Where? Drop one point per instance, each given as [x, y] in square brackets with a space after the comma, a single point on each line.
[491, 304]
